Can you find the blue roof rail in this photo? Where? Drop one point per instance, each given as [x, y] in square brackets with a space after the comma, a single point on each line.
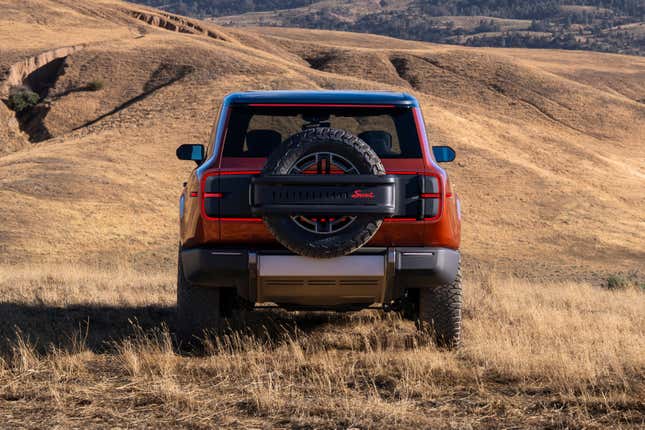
[324, 97]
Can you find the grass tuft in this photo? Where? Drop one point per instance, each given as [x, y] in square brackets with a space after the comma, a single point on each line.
[621, 281]
[95, 85]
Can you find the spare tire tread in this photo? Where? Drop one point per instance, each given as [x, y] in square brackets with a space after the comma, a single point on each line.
[288, 151]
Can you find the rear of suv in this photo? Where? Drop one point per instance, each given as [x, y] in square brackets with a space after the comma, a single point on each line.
[319, 200]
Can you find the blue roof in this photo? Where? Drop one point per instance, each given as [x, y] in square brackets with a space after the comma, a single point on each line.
[323, 97]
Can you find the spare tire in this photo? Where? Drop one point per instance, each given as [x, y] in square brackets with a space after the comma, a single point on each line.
[344, 153]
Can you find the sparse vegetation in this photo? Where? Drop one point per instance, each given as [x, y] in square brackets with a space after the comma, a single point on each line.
[624, 280]
[95, 85]
[21, 99]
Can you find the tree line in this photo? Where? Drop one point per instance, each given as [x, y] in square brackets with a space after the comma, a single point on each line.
[562, 24]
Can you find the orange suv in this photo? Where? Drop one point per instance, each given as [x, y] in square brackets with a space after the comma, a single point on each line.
[319, 200]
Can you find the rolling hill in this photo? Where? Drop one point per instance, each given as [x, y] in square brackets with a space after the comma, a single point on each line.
[550, 166]
[550, 171]
[599, 25]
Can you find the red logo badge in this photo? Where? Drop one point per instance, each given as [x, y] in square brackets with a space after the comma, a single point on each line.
[359, 194]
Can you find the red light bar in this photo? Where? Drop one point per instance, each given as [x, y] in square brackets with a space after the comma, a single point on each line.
[193, 193]
[400, 220]
[388, 220]
[237, 172]
[430, 195]
[213, 195]
[403, 172]
[237, 219]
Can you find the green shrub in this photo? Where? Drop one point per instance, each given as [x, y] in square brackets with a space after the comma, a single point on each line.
[616, 282]
[22, 99]
[621, 281]
[95, 85]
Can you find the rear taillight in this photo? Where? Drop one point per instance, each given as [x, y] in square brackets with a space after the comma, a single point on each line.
[212, 200]
[431, 196]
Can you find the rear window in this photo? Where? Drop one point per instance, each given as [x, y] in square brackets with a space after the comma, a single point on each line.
[256, 131]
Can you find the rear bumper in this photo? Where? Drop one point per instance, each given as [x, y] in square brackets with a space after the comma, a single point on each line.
[370, 275]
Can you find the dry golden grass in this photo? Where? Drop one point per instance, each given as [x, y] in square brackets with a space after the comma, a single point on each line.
[95, 347]
[550, 173]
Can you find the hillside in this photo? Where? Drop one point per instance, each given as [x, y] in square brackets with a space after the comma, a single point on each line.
[549, 142]
[599, 25]
[550, 171]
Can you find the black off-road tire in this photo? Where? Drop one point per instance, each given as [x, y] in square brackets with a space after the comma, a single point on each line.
[345, 144]
[439, 312]
[198, 309]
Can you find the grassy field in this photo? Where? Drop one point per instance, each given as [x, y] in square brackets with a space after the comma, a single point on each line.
[550, 172]
[90, 347]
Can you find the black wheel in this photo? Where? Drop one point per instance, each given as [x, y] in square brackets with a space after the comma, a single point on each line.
[323, 150]
[439, 312]
[198, 308]
[228, 304]
[410, 308]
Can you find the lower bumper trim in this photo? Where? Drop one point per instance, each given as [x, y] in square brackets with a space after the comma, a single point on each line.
[373, 274]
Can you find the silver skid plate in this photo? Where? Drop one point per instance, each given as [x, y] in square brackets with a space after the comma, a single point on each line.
[295, 265]
[311, 281]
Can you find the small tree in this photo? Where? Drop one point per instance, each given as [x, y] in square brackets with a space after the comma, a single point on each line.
[22, 98]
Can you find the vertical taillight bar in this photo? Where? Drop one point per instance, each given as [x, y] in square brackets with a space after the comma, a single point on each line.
[431, 198]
